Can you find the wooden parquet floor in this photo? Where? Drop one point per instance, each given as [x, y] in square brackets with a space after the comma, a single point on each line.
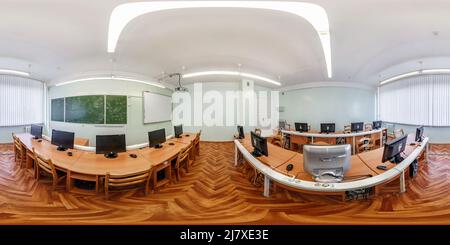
[215, 192]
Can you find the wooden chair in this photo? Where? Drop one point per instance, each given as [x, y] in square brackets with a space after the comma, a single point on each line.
[399, 133]
[183, 160]
[120, 181]
[196, 145]
[19, 151]
[46, 165]
[365, 144]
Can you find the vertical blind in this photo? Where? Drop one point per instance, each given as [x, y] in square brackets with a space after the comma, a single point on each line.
[21, 101]
[420, 100]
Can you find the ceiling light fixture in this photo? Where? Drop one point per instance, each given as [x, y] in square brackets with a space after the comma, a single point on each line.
[230, 73]
[415, 73]
[14, 72]
[313, 13]
[112, 77]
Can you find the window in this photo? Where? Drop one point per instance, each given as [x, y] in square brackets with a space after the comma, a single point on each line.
[21, 101]
[420, 100]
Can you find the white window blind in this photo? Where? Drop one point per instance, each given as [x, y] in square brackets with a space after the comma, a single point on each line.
[21, 101]
[420, 100]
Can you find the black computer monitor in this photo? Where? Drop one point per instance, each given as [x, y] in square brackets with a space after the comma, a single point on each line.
[419, 134]
[301, 127]
[110, 145]
[178, 130]
[358, 126]
[260, 145]
[393, 149]
[36, 131]
[240, 130]
[64, 140]
[327, 128]
[376, 124]
[156, 138]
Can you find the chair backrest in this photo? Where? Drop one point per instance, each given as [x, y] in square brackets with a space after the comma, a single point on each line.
[399, 133]
[44, 163]
[183, 154]
[128, 179]
[320, 143]
[16, 141]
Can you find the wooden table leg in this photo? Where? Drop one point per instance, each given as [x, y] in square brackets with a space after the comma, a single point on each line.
[266, 186]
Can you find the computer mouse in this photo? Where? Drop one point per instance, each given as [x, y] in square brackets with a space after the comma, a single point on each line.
[171, 143]
[187, 135]
[39, 140]
[412, 143]
[289, 167]
[382, 167]
[133, 155]
[69, 153]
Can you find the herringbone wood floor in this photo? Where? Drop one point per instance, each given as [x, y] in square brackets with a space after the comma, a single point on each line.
[215, 192]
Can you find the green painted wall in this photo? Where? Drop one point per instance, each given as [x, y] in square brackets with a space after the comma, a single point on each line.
[135, 129]
[340, 105]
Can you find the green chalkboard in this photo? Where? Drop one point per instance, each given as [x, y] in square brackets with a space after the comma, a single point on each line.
[116, 109]
[86, 109]
[58, 110]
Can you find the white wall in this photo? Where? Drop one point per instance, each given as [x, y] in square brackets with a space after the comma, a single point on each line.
[340, 105]
[220, 132]
[135, 130]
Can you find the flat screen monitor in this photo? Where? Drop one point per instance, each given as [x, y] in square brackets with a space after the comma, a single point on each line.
[301, 127]
[282, 124]
[358, 126]
[260, 145]
[36, 131]
[376, 124]
[178, 130]
[419, 134]
[240, 130]
[393, 149]
[156, 138]
[106, 144]
[326, 163]
[64, 140]
[327, 128]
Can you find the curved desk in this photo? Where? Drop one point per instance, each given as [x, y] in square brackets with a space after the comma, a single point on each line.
[297, 138]
[86, 165]
[361, 164]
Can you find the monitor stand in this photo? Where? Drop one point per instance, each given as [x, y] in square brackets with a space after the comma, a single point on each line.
[158, 146]
[35, 137]
[61, 148]
[397, 159]
[111, 155]
[178, 136]
[256, 153]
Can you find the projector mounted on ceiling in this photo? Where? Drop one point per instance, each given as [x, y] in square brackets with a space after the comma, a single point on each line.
[179, 88]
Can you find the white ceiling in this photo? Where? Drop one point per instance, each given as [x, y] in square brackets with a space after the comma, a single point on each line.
[66, 38]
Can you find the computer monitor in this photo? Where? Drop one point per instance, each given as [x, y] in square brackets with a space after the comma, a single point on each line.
[260, 145]
[393, 149]
[110, 145]
[301, 127]
[178, 130]
[156, 138]
[240, 130]
[36, 131]
[282, 124]
[64, 140]
[327, 163]
[327, 128]
[358, 126]
[376, 124]
[419, 134]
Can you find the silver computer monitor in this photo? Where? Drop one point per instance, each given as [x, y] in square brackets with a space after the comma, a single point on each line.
[326, 163]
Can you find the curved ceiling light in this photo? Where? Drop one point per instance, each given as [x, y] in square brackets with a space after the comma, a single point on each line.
[415, 73]
[110, 78]
[230, 73]
[313, 13]
[14, 72]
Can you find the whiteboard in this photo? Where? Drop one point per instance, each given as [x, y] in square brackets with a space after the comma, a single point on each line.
[157, 107]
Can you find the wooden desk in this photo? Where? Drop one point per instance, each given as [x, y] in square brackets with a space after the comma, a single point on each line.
[185, 138]
[88, 166]
[81, 141]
